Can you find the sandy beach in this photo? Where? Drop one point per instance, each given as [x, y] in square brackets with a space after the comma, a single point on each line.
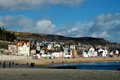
[55, 74]
[44, 62]
[24, 73]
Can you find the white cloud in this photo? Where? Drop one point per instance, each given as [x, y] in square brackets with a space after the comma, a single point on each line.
[40, 26]
[106, 22]
[35, 4]
[64, 2]
[45, 26]
[78, 29]
[24, 24]
[102, 34]
[104, 26]
[7, 20]
[1, 24]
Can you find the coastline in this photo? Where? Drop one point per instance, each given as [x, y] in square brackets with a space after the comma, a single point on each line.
[45, 62]
[24, 73]
[42, 62]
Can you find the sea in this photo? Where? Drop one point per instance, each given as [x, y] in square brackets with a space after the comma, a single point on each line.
[89, 66]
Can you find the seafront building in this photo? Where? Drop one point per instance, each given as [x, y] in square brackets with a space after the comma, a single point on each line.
[42, 49]
[55, 50]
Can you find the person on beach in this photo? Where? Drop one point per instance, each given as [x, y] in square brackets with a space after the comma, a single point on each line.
[9, 64]
[4, 65]
[27, 65]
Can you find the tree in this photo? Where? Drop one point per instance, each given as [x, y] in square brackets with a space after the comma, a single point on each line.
[6, 35]
[2, 30]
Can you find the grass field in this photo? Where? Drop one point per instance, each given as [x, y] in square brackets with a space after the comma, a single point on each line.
[57, 74]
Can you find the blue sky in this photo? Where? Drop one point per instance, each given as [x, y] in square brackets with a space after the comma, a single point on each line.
[74, 18]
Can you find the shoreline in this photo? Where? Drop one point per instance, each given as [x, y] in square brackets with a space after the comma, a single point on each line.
[42, 73]
[42, 62]
[45, 62]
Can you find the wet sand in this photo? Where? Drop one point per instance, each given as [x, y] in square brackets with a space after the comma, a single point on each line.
[55, 74]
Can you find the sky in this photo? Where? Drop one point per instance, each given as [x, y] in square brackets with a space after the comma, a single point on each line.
[71, 18]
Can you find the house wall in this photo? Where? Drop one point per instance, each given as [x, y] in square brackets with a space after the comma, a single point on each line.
[23, 48]
[12, 49]
[25, 51]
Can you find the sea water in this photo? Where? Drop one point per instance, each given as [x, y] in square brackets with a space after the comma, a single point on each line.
[90, 66]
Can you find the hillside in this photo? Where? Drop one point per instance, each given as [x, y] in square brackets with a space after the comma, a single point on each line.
[68, 40]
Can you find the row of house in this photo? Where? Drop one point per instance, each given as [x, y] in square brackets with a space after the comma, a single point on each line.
[100, 52]
[54, 49]
[42, 49]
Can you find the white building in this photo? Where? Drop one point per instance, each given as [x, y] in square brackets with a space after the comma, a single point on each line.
[57, 54]
[50, 46]
[73, 47]
[12, 49]
[24, 49]
[116, 52]
[100, 51]
[32, 52]
[95, 54]
[66, 53]
[91, 52]
[103, 52]
[85, 54]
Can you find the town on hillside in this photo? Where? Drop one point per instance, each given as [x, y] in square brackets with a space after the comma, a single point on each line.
[51, 46]
[37, 49]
